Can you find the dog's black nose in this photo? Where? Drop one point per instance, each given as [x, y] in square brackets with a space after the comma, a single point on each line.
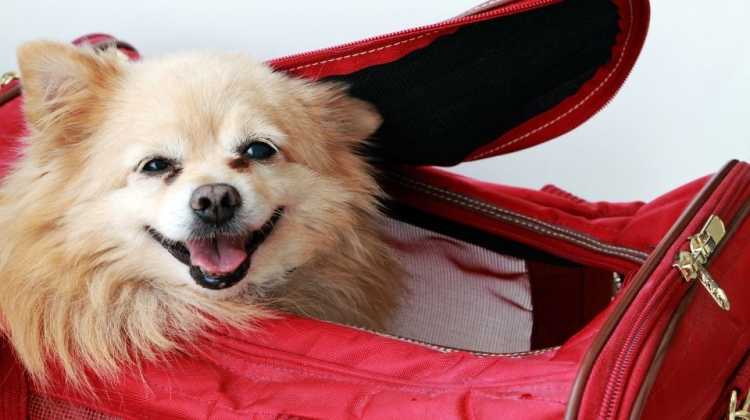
[215, 203]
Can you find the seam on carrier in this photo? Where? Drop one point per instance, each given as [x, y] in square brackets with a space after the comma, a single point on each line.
[374, 50]
[533, 224]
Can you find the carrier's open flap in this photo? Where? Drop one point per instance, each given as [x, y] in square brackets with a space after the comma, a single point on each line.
[502, 77]
[506, 75]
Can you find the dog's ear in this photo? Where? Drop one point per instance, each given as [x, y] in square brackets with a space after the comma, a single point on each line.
[352, 119]
[63, 85]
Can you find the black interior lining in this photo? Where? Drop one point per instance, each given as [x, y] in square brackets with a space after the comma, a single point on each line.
[466, 89]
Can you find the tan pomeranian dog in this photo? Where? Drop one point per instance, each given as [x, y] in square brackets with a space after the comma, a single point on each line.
[157, 198]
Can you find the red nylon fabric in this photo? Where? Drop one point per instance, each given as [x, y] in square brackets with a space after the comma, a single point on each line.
[635, 225]
[338, 373]
[13, 387]
[618, 374]
[306, 369]
[714, 343]
[593, 95]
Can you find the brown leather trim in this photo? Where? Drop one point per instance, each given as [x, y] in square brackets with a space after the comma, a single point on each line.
[735, 224]
[661, 352]
[631, 291]
[653, 370]
[14, 91]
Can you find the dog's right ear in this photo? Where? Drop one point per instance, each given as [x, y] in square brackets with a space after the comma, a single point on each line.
[63, 86]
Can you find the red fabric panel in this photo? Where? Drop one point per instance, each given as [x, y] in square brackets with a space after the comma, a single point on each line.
[348, 58]
[569, 114]
[313, 369]
[622, 365]
[13, 389]
[632, 225]
[740, 382]
[709, 344]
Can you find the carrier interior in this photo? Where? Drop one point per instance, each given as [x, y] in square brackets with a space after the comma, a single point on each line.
[471, 290]
[441, 102]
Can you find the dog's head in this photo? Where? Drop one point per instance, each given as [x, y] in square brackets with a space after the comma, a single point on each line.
[207, 171]
[153, 195]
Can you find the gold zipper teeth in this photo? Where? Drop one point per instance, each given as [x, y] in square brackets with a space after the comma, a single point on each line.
[536, 225]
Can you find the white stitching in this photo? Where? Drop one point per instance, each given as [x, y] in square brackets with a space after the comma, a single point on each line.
[533, 224]
[482, 5]
[578, 105]
[572, 236]
[607, 248]
[446, 350]
[363, 52]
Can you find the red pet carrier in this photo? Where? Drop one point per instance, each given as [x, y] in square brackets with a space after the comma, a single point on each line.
[523, 304]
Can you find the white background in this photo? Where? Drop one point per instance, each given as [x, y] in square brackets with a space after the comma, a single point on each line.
[681, 115]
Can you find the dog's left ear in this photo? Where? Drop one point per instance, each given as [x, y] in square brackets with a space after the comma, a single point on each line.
[350, 118]
[63, 85]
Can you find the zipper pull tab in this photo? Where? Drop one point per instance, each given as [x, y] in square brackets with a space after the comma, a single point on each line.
[713, 288]
[691, 264]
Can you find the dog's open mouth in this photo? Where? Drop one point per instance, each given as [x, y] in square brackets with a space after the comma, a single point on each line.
[220, 261]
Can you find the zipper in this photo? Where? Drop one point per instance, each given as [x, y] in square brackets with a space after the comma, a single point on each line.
[446, 349]
[529, 223]
[630, 293]
[703, 247]
[293, 60]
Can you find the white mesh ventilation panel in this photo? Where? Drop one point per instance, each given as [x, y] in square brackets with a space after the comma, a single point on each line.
[461, 295]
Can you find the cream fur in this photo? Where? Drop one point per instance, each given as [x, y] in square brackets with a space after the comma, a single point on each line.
[85, 288]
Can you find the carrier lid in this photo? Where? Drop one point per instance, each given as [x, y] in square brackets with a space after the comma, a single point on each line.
[504, 76]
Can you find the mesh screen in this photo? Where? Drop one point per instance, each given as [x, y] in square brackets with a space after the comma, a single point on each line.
[45, 408]
[460, 295]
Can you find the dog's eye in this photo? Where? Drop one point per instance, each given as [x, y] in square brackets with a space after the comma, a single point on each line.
[260, 150]
[156, 165]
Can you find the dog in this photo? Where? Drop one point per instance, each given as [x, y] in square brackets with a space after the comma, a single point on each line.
[158, 199]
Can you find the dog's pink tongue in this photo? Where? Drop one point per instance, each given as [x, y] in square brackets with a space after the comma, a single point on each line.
[217, 256]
